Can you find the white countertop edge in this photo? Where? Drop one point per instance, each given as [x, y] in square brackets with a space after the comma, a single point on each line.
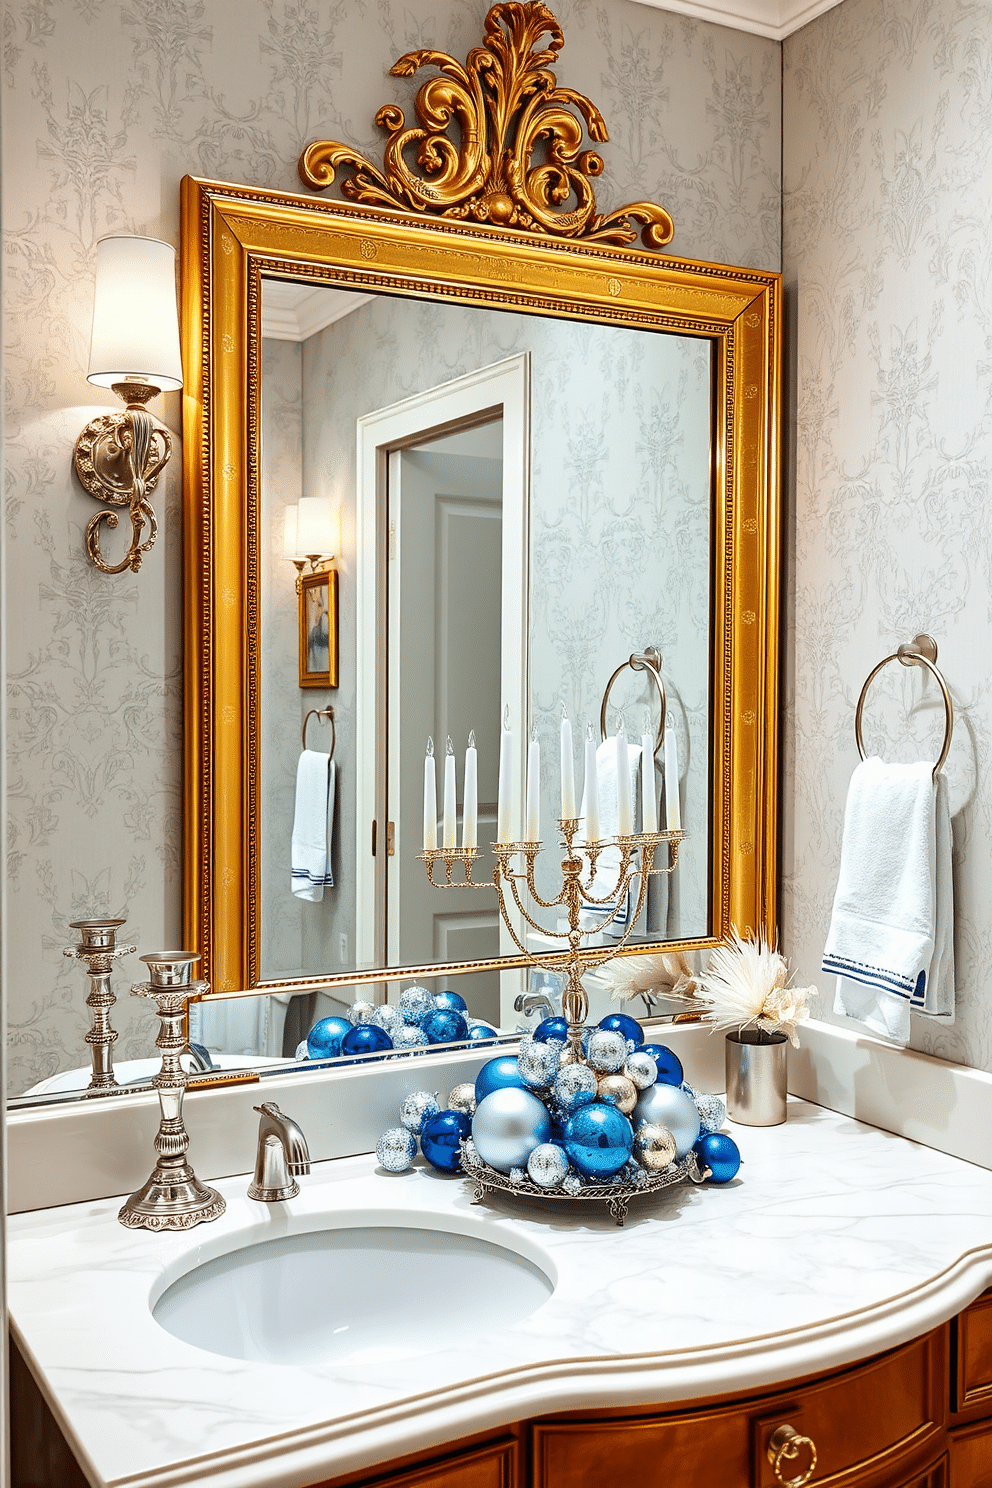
[369, 1439]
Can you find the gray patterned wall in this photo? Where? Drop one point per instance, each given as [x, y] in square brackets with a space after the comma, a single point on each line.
[887, 246]
[107, 106]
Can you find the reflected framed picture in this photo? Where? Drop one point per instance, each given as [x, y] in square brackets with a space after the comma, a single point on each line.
[319, 629]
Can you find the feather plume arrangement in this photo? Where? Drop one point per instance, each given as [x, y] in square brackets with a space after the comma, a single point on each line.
[746, 983]
[668, 974]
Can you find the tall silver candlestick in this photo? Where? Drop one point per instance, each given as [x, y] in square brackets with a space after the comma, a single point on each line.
[173, 1198]
[99, 950]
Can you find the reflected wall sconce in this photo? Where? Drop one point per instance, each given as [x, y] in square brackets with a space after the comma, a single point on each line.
[134, 350]
[312, 534]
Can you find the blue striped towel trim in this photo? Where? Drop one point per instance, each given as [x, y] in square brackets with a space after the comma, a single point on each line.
[871, 976]
[312, 878]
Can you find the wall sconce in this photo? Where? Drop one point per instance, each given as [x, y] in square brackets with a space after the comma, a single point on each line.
[134, 349]
[312, 534]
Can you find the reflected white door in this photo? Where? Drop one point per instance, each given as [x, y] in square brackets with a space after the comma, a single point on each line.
[445, 526]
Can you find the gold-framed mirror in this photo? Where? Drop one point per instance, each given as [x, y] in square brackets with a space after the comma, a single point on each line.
[477, 227]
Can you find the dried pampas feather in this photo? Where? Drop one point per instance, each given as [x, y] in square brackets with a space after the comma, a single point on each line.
[746, 982]
[667, 974]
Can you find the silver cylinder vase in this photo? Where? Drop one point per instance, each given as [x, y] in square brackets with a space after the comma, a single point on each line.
[757, 1077]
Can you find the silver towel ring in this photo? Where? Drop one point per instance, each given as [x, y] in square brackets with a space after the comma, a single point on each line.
[321, 713]
[920, 651]
[647, 661]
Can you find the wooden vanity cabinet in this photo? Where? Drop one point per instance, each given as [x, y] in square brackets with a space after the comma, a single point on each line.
[970, 1436]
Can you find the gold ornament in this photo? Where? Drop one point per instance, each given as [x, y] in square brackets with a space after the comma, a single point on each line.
[462, 1098]
[654, 1147]
[617, 1090]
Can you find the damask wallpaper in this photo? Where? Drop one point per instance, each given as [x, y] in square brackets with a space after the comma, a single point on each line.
[887, 247]
[108, 104]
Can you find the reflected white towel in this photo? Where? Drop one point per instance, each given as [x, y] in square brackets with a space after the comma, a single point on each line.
[891, 933]
[313, 822]
[608, 862]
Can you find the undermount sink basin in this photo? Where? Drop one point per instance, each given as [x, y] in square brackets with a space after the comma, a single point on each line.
[371, 1293]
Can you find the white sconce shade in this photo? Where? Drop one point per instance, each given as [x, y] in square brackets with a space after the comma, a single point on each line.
[289, 533]
[135, 320]
[317, 527]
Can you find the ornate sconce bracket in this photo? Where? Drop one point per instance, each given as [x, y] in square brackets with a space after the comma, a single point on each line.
[518, 161]
[119, 458]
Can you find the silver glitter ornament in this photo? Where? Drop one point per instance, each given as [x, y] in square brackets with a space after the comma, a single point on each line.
[462, 1098]
[666, 1105]
[415, 1004]
[517, 1175]
[575, 1086]
[538, 1063]
[385, 1017]
[654, 1147]
[470, 1154]
[302, 1052]
[712, 1113]
[607, 1051]
[396, 1149]
[361, 1012]
[640, 1068]
[408, 1037]
[572, 1184]
[417, 1107]
[547, 1165]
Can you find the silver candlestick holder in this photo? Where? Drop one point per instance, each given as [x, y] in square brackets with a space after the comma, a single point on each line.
[173, 1198]
[98, 949]
[637, 860]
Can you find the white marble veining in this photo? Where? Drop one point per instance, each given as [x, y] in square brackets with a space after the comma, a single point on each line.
[837, 1241]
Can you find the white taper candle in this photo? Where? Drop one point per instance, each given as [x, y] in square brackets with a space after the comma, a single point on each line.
[449, 838]
[532, 830]
[430, 799]
[625, 810]
[504, 800]
[591, 788]
[567, 768]
[470, 810]
[649, 796]
[673, 809]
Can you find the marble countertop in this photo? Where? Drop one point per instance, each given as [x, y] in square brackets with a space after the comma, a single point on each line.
[837, 1241]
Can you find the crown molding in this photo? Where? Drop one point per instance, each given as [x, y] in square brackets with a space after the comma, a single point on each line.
[294, 312]
[776, 19]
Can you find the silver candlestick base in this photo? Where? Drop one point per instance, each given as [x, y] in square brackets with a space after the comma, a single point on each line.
[173, 1198]
[99, 950]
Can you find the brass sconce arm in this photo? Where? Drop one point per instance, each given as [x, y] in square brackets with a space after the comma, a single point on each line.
[118, 458]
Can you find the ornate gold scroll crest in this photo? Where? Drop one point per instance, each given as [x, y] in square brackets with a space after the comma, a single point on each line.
[509, 109]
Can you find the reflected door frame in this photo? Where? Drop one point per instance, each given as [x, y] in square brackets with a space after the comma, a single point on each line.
[500, 389]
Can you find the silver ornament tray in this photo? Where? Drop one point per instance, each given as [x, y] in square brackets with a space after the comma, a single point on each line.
[616, 1196]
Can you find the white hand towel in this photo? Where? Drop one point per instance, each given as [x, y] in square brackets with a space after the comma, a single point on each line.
[890, 937]
[310, 860]
[608, 862]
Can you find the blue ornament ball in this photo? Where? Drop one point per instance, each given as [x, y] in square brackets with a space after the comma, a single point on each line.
[669, 1064]
[366, 1039]
[599, 1140]
[575, 1085]
[627, 1028]
[451, 1000]
[664, 1105]
[324, 1038]
[551, 1028]
[720, 1154]
[445, 1026]
[415, 1004]
[607, 1051]
[396, 1149]
[479, 1032]
[439, 1139]
[538, 1063]
[508, 1124]
[499, 1074]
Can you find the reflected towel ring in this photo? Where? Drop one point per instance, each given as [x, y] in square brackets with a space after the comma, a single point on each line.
[323, 714]
[920, 651]
[647, 661]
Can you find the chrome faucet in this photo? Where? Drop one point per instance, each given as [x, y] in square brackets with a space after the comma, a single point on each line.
[282, 1155]
[529, 1002]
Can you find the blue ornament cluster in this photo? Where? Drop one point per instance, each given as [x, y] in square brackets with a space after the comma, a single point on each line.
[417, 1021]
[619, 1116]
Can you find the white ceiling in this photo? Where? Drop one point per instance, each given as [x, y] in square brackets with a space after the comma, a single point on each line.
[775, 18]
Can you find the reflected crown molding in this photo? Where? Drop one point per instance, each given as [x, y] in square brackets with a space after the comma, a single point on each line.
[774, 18]
[295, 312]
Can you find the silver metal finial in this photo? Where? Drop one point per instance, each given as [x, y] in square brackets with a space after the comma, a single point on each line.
[430, 748]
[449, 748]
[471, 738]
[506, 716]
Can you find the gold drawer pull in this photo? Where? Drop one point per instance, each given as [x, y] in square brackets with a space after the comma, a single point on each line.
[785, 1446]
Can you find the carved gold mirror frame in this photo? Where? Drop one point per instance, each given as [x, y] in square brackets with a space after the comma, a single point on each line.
[503, 217]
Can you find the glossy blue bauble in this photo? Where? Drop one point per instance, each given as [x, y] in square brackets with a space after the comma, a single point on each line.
[439, 1139]
[508, 1124]
[551, 1028]
[452, 1000]
[599, 1140]
[366, 1039]
[324, 1038]
[628, 1028]
[499, 1074]
[481, 1031]
[445, 1026]
[669, 1064]
[720, 1154]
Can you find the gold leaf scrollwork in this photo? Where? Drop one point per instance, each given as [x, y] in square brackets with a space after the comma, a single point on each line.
[518, 161]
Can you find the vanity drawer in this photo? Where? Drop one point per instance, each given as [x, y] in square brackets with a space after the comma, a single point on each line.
[492, 1464]
[971, 1374]
[878, 1424]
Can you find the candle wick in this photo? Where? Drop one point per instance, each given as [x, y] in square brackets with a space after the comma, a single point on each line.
[449, 748]
[471, 738]
[564, 712]
[430, 748]
[506, 716]
[620, 724]
[588, 729]
[533, 734]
